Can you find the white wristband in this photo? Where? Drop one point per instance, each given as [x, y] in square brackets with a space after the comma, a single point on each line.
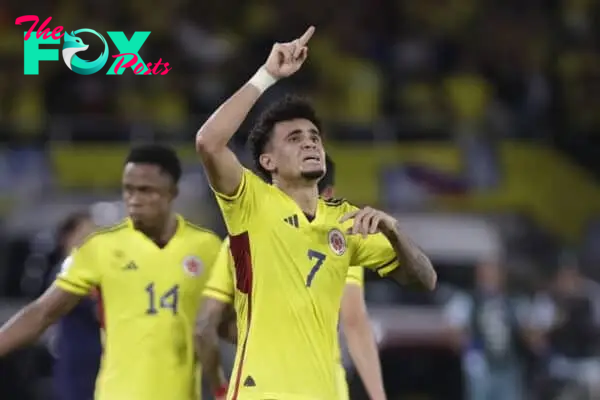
[262, 80]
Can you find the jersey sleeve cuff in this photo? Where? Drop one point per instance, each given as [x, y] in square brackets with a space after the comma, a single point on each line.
[71, 287]
[350, 280]
[217, 294]
[238, 191]
[385, 269]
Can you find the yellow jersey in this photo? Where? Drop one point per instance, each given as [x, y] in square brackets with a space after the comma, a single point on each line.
[290, 271]
[150, 298]
[220, 286]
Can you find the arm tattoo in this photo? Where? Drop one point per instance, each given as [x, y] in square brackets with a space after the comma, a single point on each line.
[415, 267]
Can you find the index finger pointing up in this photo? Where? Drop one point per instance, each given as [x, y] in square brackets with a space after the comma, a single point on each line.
[303, 40]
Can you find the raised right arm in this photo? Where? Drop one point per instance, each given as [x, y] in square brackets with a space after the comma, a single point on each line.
[29, 323]
[223, 169]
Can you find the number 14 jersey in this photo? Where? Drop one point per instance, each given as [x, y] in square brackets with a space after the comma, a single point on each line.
[150, 297]
[289, 276]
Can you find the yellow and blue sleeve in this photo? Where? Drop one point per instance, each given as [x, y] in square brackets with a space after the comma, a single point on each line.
[220, 284]
[81, 271]
[376, 253]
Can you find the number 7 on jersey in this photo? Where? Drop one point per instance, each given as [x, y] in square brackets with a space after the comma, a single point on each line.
[319, 259]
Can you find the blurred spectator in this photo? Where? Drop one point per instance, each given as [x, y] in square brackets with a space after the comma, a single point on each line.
[166, 104]
[487, 327]
[438, 68]
[27, 109]
[566, 320]
[75, 341]
[469, 95]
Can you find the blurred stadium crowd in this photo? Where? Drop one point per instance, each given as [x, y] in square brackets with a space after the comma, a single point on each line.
[429, 67]
[475, 121]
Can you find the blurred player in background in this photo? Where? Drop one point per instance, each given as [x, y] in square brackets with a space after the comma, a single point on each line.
[75, 342]
[354, 319]
[150, 270]
[291, 249]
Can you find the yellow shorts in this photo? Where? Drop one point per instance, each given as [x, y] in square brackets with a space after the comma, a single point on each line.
[342, 385]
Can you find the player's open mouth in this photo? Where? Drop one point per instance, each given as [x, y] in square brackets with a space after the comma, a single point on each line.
[312, 158]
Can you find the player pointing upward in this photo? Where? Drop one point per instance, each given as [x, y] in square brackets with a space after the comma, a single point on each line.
[291, 249]
[219, 293]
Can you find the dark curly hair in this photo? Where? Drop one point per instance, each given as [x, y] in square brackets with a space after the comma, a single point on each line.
[155, 154]
[289, 108]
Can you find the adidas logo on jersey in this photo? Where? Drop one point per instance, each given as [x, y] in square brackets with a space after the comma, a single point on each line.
[249, 382]
[130, 266]
[293, 220]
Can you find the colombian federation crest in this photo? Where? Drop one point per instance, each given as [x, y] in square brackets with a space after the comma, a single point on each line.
[192, 266]
[337, 242]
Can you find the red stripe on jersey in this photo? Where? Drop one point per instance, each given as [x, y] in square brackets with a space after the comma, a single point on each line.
[97, 294]
[240, 250]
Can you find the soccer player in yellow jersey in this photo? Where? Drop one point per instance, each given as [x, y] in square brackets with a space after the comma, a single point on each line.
[150, 271]
[291, 249]
[354, 319]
